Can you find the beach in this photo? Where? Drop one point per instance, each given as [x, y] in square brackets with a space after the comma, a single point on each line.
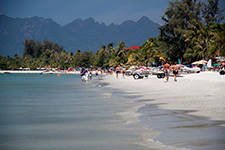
[202, 93]
[189, 113]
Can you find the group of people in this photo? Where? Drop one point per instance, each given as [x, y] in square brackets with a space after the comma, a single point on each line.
[167, 69]
[88, 74]
[118, 71]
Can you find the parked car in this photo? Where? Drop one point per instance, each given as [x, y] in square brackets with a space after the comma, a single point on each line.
[140, 74]
[129, 72]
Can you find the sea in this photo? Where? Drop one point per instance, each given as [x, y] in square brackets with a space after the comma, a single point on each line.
[50, 112]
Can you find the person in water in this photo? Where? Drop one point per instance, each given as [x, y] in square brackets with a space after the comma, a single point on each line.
[166, 69]
[90, 74]
[117, 71]
[175, 71]
[83, 74]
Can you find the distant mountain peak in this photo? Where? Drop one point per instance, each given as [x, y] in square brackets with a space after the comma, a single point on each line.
[143, 19]
[128, 22]
[90, 19]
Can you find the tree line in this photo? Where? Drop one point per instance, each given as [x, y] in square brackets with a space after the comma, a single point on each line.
[192, 30]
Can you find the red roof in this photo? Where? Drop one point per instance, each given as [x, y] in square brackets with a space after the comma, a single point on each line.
[132, 47]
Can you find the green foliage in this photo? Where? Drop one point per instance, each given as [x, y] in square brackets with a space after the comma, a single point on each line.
[102, 57]
[178, 18]
[187, 33]
[218, 40]
[38, 55]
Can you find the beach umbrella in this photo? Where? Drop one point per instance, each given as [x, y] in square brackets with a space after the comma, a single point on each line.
[200, 62]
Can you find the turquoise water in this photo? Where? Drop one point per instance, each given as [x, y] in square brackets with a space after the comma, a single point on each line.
[46, 112]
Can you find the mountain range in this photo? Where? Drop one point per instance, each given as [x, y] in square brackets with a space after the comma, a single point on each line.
[82, 34]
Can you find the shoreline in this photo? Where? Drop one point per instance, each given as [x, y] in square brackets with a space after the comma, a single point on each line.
[37, 72]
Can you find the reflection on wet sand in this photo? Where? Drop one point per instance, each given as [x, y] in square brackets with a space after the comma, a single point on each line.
[200, 125]
[181, 129]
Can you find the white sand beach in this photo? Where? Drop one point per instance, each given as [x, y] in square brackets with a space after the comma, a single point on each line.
[202, 93]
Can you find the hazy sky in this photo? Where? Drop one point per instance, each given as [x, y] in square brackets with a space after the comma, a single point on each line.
[65, 11]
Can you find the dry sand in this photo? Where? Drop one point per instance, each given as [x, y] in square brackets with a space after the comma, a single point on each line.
[203, 93]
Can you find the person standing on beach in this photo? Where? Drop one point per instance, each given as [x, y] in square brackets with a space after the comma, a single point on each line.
[106, 71]
[110, 70]
[166, 69]
[175, 71]
[100, 72]
[117, 71]
[96, 73]
[124, 71]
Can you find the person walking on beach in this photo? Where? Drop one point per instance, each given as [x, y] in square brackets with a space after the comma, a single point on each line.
[96, 73]
[106, 71]
[123, 72]
[110, 70]
[100, 72]
[166, 69]
[175, 71]
[117, 71]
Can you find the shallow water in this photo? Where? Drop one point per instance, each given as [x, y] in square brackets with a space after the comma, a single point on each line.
[49, 112]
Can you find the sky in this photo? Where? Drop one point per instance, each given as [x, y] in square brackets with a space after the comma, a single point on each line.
[65, 11]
